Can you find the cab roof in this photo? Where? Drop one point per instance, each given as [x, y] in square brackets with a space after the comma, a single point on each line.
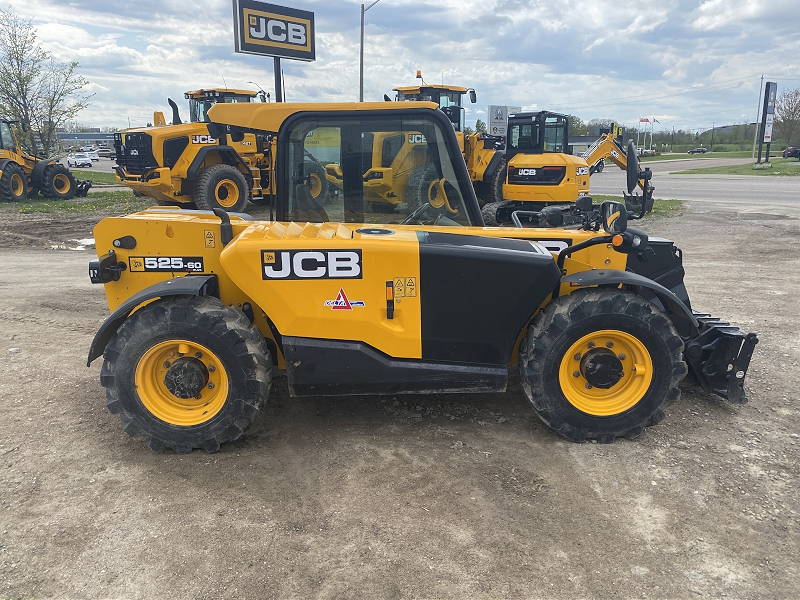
[415, 89]
[214, 92]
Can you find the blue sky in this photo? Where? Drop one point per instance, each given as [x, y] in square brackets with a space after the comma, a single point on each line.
[688, 63]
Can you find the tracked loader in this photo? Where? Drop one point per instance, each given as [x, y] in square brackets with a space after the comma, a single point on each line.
[23, 175]
[205, 305]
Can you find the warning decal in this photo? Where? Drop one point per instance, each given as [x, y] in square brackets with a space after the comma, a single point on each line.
[405, 287]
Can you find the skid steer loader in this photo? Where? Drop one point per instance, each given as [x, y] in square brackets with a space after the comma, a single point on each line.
[204, 305]
[23, 175]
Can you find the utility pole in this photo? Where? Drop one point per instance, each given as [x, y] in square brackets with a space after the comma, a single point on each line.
[672, 141]
[361, 59]
[758, 108]
[712, 136]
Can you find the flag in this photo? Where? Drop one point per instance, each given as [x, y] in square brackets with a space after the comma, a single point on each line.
[645, 120]
[656, 121]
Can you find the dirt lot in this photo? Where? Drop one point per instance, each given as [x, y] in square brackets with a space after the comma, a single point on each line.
[409, 497]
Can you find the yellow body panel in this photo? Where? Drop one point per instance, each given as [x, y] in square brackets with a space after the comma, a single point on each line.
[574, 184]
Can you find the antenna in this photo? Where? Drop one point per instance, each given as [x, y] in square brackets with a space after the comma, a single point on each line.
[224, 82]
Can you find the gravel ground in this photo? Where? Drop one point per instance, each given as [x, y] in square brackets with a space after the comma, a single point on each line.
[445, 496]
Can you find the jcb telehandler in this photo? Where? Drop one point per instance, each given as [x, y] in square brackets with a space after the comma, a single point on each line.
[182, 164]
[23, 175]
[597, 320]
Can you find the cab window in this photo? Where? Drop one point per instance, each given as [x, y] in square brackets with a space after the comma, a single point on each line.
[370, 169]
[6, 139]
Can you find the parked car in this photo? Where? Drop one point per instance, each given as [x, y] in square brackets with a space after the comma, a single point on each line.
[697, 151]
[105, 153]
[79, 160]
[792, 152]
[94, 156]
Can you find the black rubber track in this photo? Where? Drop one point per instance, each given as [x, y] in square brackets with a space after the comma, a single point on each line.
[7, 192]
[226, 331]
[567, 319]
[207, 182]
[48, 188]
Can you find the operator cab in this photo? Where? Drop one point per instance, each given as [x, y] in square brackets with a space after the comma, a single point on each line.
[202, 100]
[7, 141]
[448, 97]
[537, 133]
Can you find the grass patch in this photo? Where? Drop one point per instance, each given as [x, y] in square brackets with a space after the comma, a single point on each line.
[122, 201]
[781, 167]
[661, 208]
[97, 177]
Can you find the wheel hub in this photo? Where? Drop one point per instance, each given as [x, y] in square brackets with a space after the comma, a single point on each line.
[601, 368]
[186, 378]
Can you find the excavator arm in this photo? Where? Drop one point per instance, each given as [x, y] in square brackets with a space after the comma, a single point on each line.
[607, 147]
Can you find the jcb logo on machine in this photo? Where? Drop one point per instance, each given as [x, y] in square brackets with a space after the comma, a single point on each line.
[615, 154]
[134, 152]
[582, 171]
[526, 171]
[166, 264]
[203, 139]
[416, 138]
[311, 264]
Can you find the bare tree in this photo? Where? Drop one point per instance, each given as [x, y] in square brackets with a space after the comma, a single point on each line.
[35, 89]
[787, 114]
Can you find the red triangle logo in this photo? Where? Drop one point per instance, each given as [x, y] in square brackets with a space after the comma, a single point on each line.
[341, 302]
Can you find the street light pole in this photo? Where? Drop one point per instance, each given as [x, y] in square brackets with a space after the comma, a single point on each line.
[361, 58]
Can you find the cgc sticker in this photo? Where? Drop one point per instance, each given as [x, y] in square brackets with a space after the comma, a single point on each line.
[165, 264]
[311, 264]
[342, 303]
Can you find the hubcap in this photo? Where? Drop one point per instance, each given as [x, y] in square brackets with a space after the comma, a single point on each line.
[181, 383]
[226, 193]
[61, 182]
[606, 373]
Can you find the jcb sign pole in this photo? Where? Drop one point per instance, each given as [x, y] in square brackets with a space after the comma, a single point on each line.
[269, 30]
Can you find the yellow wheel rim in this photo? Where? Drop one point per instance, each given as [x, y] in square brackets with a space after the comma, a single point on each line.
[17, 185]
[637, 373]
[61, 183]
[226, 193]
[151, 379]
[316, 185]
[437, 200]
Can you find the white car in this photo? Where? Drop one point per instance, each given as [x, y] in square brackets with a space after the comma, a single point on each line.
[79, 160]
[94, 156]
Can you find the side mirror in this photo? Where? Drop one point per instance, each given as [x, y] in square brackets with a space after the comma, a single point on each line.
[472, 96]
[615, 217]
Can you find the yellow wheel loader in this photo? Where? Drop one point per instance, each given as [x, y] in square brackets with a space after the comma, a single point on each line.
[23, 175]
[194, 166]
[596, 322]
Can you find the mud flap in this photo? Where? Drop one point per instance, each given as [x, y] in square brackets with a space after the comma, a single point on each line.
[719, 357]
[82, 187]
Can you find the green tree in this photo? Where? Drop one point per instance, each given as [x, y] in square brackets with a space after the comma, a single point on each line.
[35, 89]
[787, 114]
[480, 126]
[468, 130]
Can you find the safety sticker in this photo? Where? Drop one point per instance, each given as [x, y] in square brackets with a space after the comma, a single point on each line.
[405, 287]
[165, 264]
[342, 303]
[211, 241]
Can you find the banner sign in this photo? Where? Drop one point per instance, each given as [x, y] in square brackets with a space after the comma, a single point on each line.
[270, 30]
[769, 102]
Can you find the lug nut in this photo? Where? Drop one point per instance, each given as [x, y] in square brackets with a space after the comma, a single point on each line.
[166, 364]
[622, 356]
[211, 385]
[609, 344]
[588, 386]
[576, 373]
[591, 344]
[198, 355]
[212, 368]
[577, 356]
[198, 397]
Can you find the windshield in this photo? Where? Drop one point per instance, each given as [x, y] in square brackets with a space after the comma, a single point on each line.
[6, 139]
[198, 107]
[377, 169]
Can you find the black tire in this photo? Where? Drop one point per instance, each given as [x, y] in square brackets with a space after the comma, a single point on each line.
[58, 182]
[417, 186]
[142, 385]
[221, 186]
[600, 166]
[318, 183]
[13, 183]
[489, 213]
[546, 365]
[497, 181]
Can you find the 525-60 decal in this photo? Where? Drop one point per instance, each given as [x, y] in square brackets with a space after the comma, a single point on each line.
[166, 264]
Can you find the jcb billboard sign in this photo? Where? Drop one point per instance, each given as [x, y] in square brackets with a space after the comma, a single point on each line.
[270, 30]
